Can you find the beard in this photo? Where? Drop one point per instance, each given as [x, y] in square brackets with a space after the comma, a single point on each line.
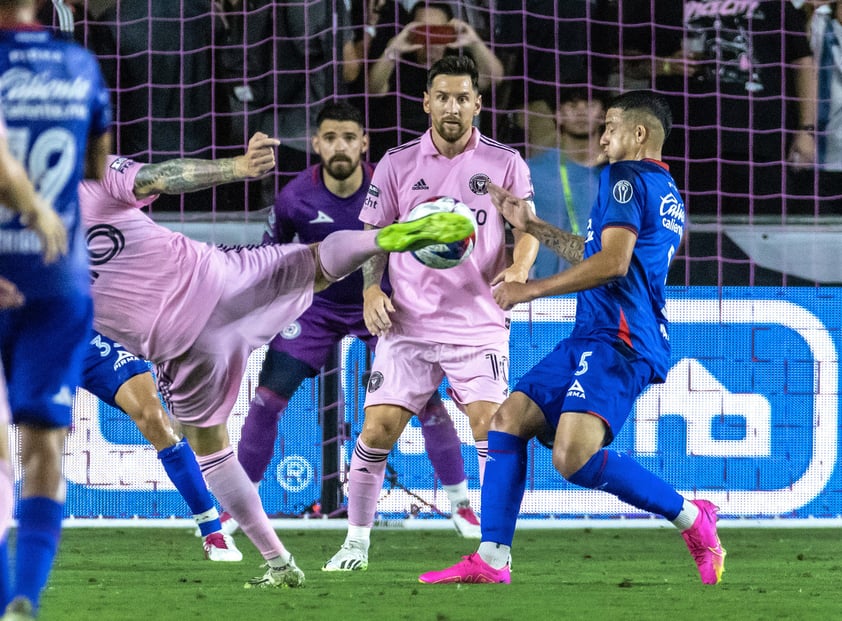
[452, 132]
[341, 168]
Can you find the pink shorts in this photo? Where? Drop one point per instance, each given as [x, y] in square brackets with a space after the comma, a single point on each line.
[407, 370]
[267, 288]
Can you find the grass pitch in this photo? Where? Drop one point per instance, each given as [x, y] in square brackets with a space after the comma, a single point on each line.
[159, 574]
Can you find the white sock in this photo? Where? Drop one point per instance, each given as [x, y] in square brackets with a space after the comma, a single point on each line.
[687, 517]
[495, 554]
[360, 535]
[457, 494]
[279, 561]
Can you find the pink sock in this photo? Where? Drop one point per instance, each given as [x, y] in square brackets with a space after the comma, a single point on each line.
[482, 454]
[365, 480]
[442, 442]
[231, 486]
[7, 496]
[342, 252]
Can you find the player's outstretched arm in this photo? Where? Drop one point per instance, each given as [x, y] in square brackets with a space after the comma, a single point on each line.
[191, 174]
[17, 192]
[519, 214]
[376, 305]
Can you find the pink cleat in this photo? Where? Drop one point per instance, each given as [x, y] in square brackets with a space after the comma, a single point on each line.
[471, 569]
[703, 543]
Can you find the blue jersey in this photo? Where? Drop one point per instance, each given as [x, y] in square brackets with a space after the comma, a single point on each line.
[305, 209]
[642, 197]
[53, 97]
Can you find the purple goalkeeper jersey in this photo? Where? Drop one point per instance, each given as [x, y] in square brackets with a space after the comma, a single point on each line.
[305, 209]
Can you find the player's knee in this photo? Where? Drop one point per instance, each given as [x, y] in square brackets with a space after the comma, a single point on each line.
[381, 431]
[573, 464]
[283, 374]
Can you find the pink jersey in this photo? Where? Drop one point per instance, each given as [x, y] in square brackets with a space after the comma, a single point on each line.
[452, 305]
[157, 313]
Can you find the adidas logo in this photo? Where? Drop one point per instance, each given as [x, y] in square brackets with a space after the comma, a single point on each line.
[420, 185]
[321, 217]
[576, 390]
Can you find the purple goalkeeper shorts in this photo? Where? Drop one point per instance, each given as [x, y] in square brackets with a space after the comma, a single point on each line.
[313, 336]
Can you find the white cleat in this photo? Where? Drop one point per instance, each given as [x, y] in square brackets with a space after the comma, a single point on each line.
[466, 523]
[220, 547]
[352, 556]
[228, 523]
[288, 576]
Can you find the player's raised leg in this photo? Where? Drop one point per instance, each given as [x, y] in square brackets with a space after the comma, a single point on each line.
[342, 252]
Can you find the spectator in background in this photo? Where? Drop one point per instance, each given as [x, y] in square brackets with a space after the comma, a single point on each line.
[630, 36]
[157, 56]
[546, 50]
[400, 73]
[826, 43]
[750, 96]
[283, 61]
[566, 175]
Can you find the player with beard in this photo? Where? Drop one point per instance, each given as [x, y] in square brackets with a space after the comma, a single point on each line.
[322, 199]
[436, 323]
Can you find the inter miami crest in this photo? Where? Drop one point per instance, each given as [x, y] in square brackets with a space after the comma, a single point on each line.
[375, 381]
[479, 184]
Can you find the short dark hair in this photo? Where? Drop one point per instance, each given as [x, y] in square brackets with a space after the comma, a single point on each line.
[339, 111]
[441, 6]
[648, 101]
[454, 65]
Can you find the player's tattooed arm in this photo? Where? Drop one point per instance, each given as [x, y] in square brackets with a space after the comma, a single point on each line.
[190, 174]
[568, 246]
[373, 270]
[376, 305]
[520, 213]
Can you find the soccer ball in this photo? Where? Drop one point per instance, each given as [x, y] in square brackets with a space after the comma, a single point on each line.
[443, 256]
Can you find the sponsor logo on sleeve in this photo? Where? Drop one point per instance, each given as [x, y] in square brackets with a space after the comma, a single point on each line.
[622, 191]
[121, 164]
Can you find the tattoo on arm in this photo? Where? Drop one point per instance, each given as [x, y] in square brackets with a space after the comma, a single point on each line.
[373, 270]
[183, 175]
[568, 246]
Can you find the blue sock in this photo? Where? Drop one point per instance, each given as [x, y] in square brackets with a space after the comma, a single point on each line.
[503, 486]
[39, 532]
[622, 476]
[180, 463]
[5, 583]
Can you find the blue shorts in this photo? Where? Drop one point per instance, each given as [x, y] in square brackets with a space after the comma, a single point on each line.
[588, 375]
[43, 345]
[108, 366]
